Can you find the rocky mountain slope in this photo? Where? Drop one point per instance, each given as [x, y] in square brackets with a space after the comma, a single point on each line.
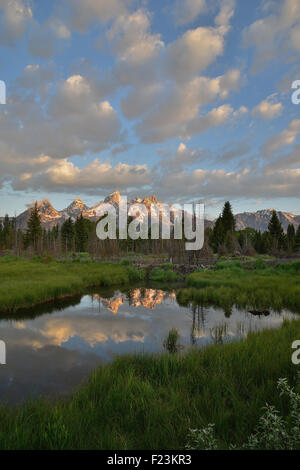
[50, 216]
[260, 219]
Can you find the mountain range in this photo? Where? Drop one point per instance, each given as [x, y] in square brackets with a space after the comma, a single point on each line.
[260, 220]
[50, 216]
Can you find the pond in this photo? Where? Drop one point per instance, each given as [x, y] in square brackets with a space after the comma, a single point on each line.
[52, 349]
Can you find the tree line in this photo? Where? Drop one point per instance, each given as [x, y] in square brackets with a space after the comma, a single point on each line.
[79, 235]
[224, 238]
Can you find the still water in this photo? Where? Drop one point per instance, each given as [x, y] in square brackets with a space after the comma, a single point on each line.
[54, 348]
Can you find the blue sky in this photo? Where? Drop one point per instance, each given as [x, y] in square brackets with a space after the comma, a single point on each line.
[187, 99]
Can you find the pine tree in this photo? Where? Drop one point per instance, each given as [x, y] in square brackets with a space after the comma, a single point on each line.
[81, 234]
[67, 235]
[224, 230]
[217, 235]
[34, 228]
[228, 218]
[291, 237]
[297, 240]
[276, 231]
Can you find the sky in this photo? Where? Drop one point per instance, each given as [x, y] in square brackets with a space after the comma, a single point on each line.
[186, 99]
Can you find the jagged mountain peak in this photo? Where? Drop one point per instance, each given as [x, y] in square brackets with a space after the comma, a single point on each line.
[77, 203]
[74, 209]
[114, 197]
[45, 207]
[42, 203]
[260, 219]
[150, 200]
[50, 217]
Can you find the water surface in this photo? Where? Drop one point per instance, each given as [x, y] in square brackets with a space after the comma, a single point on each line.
[54, 348]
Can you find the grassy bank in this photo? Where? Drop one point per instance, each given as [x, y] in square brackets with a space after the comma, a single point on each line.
[25, 283]
[261, 288]
[151, 402]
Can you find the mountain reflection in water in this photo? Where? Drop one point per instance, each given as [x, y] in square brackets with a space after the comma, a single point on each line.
[53, 348]
[147, 298]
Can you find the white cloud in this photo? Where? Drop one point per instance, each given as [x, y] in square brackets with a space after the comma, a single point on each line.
[131, 40]
[75, 120]
[193, 52]
[225, 15]
[216, 117]
[15, 15]
[285, 138]
[183, 184]
[187, 11]
[181, 104]
[183, 157]
[275, 35]
[60, 30]
[64, 175]
[82, 13]
[45, 38]
[268, 109]
[198, 48]
[37, 80]
[139, 100]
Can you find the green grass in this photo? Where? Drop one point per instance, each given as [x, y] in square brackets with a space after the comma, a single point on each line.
[165, 273]
[230, 285]
[25, 283]
[151, 402]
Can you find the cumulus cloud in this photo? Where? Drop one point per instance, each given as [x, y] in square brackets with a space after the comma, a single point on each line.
[268, 109]
[131, 40]
[37, 80]
[16, 19]
[214, 118]
[233, 151]
[190, 54]
[181, 105]
[226, 13]
[184, 184]
[73, 121]
[44, 37]
[183, 157]
[81, 14]
[15, 16]
[193, 52]
[163, 87]
[187, 11]
[64, 175]
[140, 99]
[276, 34]
[173, 180]
[283, 139]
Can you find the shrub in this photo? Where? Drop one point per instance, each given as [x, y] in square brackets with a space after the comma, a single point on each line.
[259, 264]
[125, 262]
[81, 258]
[158, 274]
[235, 264]
[167, 266]
[136, 274]
[273, 431]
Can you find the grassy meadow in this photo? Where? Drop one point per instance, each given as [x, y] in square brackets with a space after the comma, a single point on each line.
[26, 283]
[229, 284]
